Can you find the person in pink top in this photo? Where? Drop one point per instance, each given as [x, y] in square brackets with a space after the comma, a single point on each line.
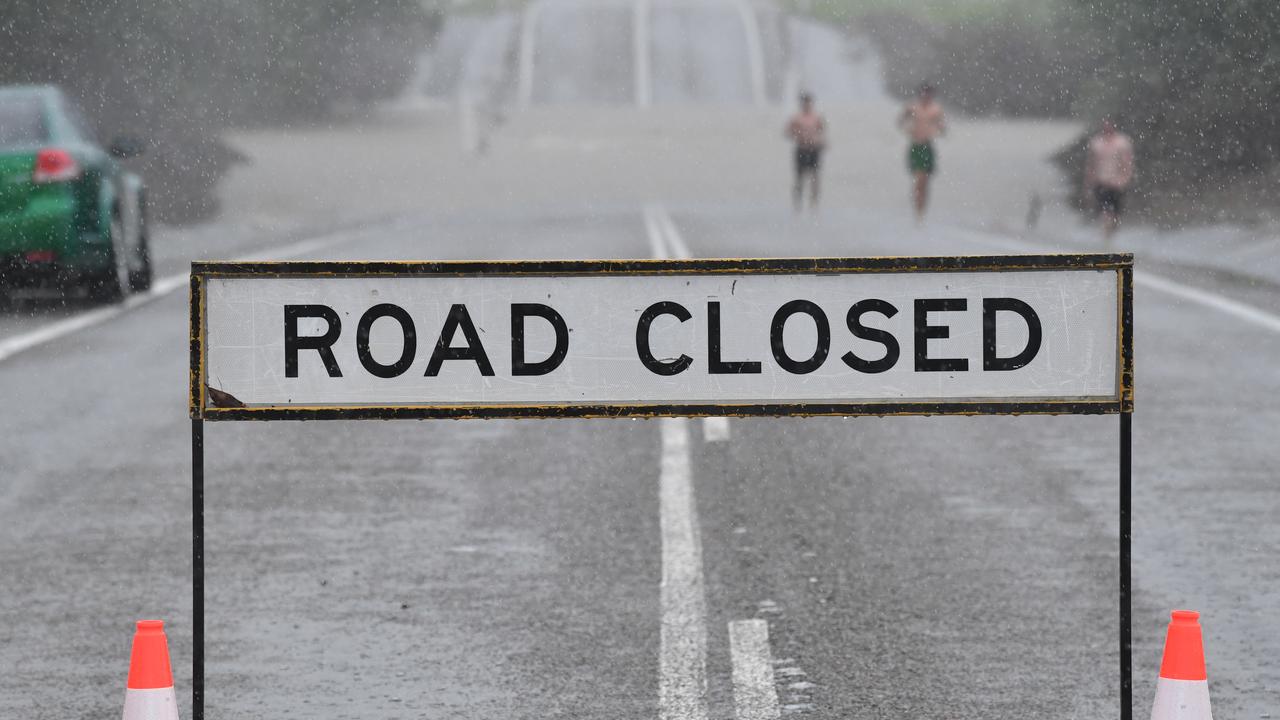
[1108, 172]
[808, 130]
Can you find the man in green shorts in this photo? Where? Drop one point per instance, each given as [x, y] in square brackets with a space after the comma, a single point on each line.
[923, 121]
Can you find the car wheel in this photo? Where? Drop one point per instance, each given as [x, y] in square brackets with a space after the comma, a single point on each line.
[140, 277]
[112, 284]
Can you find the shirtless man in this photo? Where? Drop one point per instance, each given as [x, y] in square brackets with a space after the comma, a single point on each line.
[1108, 171]
[808, 130]
[923, 122]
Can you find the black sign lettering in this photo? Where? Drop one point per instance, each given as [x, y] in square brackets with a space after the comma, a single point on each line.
[716, 366]
[925, 332]
[656, 366]
[473, 350]
[407, 330]
[322, 344]
[800, 367]
[884, 337]
[519, 365]
[991, 306]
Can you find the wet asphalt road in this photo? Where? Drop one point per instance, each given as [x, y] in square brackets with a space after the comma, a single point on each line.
[943, 567]
[912, 567]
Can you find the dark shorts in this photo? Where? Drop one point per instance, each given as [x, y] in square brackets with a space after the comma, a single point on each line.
[808, 159]
[1110, 200]
[922, 158]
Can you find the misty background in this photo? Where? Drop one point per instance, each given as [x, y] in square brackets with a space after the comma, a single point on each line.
[1193, 81]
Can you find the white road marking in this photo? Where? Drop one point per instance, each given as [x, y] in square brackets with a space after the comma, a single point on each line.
[640, 46]
[755, 697]
[1215, 301]
[1243, 311]
[755, 52]
[715, 429]
[675, 241]
[528, 23]
[666, 241]
[682, 665]
[656, 233]
[159, 288]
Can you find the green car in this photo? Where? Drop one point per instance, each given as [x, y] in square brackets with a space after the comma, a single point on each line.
[70, 214]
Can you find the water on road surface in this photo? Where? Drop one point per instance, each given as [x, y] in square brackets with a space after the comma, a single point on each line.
[909, 567]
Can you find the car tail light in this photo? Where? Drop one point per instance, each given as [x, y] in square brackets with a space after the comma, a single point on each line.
[41, 256]
[55, 165]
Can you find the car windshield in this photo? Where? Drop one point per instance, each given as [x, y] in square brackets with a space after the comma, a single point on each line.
[21, 123]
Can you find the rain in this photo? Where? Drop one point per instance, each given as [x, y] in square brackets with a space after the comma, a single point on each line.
[511, 499]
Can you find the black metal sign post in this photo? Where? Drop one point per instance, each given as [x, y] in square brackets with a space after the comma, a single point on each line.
[204, 403]
[1126, 491]
[1126, 604]
[197, 568]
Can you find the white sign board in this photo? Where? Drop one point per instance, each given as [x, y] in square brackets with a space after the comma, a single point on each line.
[667, 337]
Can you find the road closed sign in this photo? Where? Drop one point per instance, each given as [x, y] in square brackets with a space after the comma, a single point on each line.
[829, 336]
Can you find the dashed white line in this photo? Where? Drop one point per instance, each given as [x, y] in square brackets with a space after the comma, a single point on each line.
[682, 665]
[675, 241]
[755, 697]
[656, 233]
[10, 347]
[715, 429]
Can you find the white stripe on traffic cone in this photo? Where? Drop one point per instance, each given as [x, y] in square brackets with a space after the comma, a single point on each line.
[1182, 692]
[149, 693]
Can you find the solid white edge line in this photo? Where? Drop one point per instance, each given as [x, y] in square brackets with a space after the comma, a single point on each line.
[48, 333]
[791, 78]
[755, 696]
[640, 46]
[21, 343]
[666, 241]
[1205, 298]
[1243, 311]
[682, 655]
[755, 51]
[682, 664]
[529, 19]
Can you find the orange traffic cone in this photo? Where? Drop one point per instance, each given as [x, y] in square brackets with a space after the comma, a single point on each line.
[149, 694]
[1182, 692]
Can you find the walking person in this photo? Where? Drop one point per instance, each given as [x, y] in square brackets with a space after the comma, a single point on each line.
[808, 130]
[924, 122]
[1108, 172]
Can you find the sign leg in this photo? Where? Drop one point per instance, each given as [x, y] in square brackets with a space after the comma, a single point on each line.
[1126, 599]
[197, 569]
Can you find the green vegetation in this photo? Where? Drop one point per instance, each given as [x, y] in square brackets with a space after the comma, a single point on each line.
[987, 56]
[1194, 81]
